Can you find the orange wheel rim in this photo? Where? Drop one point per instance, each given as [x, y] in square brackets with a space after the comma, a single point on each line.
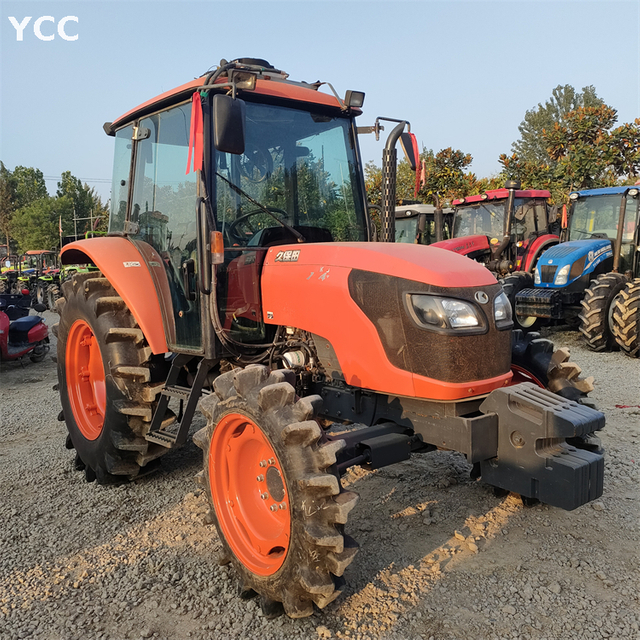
[249, 494]
[521, 375]
[85, 379]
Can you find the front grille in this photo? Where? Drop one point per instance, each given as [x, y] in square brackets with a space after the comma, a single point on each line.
[547, 273]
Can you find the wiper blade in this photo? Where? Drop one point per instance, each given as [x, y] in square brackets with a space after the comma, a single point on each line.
[240, 192]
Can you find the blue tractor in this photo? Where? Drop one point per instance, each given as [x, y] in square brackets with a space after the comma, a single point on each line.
[592, 279]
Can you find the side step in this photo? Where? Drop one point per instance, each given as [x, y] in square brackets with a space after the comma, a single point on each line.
[174, 438]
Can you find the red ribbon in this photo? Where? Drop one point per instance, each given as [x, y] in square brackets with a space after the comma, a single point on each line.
[416, 153]
[196, 135]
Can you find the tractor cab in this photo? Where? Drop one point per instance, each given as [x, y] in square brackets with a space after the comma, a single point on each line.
[419, 223]
[607, 214]
[505, 229]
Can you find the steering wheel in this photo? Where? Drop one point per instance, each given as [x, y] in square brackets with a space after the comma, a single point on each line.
[236, 231]
[256, 163]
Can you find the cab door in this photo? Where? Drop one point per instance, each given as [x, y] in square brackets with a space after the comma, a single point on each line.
[163, 221]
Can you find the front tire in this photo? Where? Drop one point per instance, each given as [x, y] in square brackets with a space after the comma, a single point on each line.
[106, 380]
[275, 498]
[512, 285]
[625, 325]
[597, 308]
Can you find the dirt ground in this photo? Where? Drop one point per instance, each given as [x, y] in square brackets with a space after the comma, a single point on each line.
[441, 556]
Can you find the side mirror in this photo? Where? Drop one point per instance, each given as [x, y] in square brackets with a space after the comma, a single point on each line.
[39, 307]
[228, 124]
[406, 141]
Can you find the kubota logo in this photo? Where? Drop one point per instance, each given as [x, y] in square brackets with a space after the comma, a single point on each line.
[38, 26]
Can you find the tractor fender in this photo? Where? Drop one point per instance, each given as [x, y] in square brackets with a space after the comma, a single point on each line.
[123, 265]
[537, 248]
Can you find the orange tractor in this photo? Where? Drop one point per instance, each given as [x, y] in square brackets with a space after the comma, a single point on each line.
[238, 274]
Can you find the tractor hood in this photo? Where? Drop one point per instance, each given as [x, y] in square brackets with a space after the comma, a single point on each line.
[594, 251]
[467, 245]
[354, 297]
[580, 257]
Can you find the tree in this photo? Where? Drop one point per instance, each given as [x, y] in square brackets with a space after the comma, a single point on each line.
[589, 152]
[80, 201]
[35, 226]
[531, 146]
[7, 202]
[29, 186]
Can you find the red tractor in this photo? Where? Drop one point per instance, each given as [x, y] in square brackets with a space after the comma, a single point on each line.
[507, 230]
[249, 285]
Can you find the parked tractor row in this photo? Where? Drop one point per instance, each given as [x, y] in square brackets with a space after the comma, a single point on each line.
[583, 270]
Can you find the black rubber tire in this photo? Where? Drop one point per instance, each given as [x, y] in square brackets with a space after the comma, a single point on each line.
[40, 351]
[319, 551]
[3, 286]
[53, 294]
[512, 284]
[625, 324]
[597, 306]
[120, 450]
[40, 293]
[547, 366]
[551, 369]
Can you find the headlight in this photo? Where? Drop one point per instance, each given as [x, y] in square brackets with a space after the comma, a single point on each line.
[502, 311]
[536, 276]
[442, 313]
[562, 275]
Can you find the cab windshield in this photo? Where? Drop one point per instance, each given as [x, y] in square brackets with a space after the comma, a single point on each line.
[486, 219]
[301, 166]
[597, 217]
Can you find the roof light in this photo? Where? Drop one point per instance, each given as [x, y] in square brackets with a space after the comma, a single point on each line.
[574, 196]
[354, 99]
[484, 196]
[633, 192]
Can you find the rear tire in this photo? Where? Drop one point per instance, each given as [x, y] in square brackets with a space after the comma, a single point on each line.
[275, 498]
[512, 284]
[625, 324]
[106, 380]
[597, 307]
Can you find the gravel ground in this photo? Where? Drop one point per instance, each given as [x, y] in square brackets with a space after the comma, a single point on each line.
[441, 557]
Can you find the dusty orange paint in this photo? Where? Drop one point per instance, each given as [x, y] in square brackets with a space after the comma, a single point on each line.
[133, 283]
[312, 293]
[263, 87]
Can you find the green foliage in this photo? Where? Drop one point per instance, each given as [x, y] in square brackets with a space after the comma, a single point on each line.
[29, 186]
[442, 178]
[531, 145]
[27, 211]
[35, 226]
[584, 152]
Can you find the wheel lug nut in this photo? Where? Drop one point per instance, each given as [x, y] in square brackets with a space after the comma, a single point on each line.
[282, 505]
[273, 507]
[264, 495]
[263, 463]
[260, 478]
[272, 461]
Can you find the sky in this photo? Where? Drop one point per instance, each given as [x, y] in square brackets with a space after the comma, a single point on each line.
[462, 73]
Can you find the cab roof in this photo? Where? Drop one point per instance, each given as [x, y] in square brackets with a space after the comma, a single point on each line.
[605, 191]
[502, 194]
[270, 82]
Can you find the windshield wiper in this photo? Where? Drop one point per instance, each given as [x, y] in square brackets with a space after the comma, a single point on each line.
[299, 237]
